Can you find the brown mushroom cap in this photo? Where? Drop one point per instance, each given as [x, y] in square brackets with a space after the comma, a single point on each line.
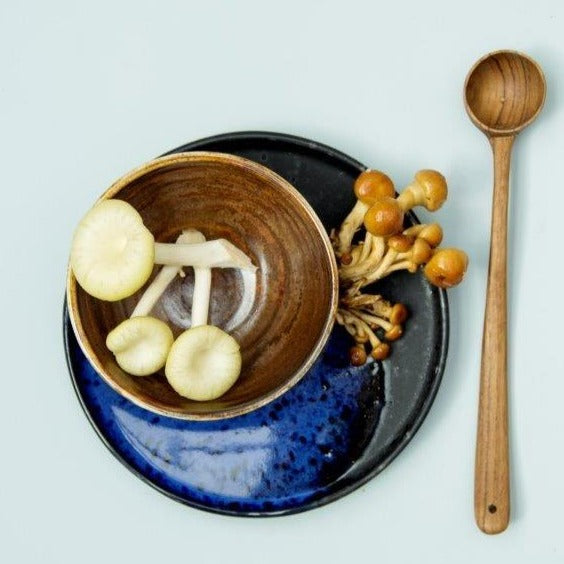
[421, 251]
[447, 267]
[381, 351]
[434, 186]
[371, 185]
[394, 333]
[400, 243]
[357, 355]
[398, 314]
[432, 233]
[384, 218]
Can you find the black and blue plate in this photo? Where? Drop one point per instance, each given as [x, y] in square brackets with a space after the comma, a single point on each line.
[332, 432]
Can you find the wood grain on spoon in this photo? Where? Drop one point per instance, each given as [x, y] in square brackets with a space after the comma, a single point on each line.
[504, 92]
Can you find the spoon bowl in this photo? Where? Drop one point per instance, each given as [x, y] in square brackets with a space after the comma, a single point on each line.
[504, 92]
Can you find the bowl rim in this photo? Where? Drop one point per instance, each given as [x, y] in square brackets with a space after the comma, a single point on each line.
[266, 174]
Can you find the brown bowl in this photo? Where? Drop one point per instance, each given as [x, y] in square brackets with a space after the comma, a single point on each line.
[281, 316]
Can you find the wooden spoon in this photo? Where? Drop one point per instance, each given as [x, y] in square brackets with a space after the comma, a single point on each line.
[504, 92]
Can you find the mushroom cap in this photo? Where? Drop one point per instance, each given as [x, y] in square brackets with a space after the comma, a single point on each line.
[371, 185]
[399, 314]
[203, 363]
[112, 251]
[432, 233]
[381, 351]
[357, 355]
[421, 251]
[400, 243]
[140, 344]
[384, 217]
[446, 267]
[394, 333]
[434, 186]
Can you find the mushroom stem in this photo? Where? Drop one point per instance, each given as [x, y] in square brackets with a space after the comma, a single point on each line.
[373, 320]
[408, 265]
[361, 332]
[354, 254]
[354, 289]
[364, 267]
[218, 253]
[412, 195]
[160, 283]
[366, 246]
[349, 227]
[359, 252]
[393, 331]
[202, 292]
[358, 328]
[375, 304]
[381, 269]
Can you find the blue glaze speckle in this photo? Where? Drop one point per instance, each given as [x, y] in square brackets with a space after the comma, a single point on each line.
[275, 459]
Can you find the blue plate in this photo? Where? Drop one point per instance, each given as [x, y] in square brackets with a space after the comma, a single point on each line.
[335, 430]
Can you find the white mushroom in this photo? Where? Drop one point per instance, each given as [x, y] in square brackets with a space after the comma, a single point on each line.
[140, 345]
[112, 253]
[203, 363]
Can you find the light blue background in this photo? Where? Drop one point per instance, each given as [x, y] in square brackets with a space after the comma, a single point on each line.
[89, 90]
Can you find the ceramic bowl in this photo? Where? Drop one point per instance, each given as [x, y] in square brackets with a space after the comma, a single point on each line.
[281, 316]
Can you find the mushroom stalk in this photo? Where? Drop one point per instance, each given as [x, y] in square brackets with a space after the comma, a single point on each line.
[381, 269]
[393, 332]
[361, 333]
[411, 196]
[202, 290]
[350, 226]
[375, 304]
[408, 265]
[373, 320]
[364, 266]
[367, 247]
[160, 283]
[218, 253]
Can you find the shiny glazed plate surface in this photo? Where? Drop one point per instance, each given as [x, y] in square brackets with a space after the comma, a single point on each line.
[335, 430]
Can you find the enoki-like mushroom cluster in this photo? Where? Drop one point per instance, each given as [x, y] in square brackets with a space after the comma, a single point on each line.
[383, 247]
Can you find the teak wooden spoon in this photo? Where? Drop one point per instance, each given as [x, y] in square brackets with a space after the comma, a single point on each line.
[504, 92]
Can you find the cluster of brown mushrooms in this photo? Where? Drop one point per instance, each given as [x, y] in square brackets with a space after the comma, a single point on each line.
[384, 246]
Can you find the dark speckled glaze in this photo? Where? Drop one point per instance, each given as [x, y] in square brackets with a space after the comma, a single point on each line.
[336, 429]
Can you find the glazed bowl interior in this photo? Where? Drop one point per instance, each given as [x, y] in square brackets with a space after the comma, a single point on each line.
[281, 315]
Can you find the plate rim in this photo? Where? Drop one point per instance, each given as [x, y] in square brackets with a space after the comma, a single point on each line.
[395, 448]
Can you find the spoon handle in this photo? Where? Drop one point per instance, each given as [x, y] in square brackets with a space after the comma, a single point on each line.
[491, 487]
